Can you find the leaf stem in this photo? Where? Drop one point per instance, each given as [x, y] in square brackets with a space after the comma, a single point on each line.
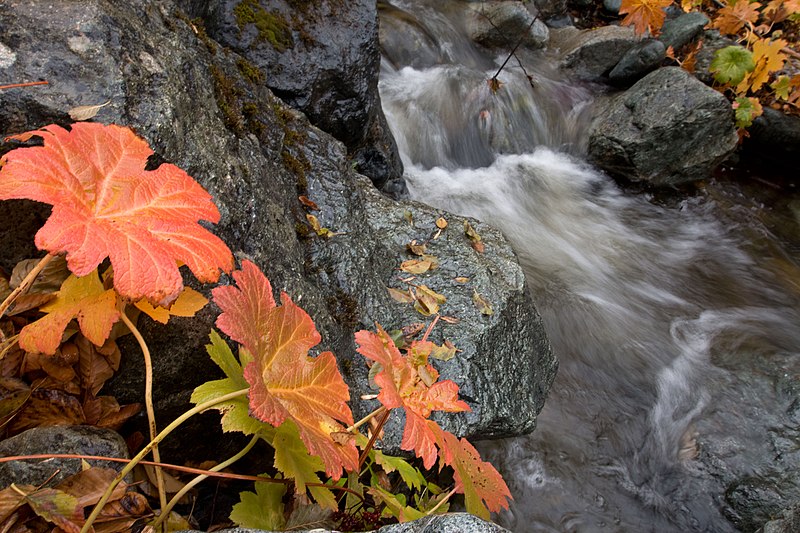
[26, 282]
[366, 419]
[28, 84]
[375, 433]
[165, 511]
[148, 400]
[447, 497]
[158, 438]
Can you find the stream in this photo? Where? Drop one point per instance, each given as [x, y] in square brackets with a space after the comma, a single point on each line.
[676, 406]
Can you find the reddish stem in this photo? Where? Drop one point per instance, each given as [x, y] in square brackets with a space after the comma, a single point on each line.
[29, 84]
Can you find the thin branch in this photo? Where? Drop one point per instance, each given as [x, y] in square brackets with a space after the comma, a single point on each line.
[366, 419]
[29, 84]
[449, 494]
[26, 283]
[514, 50]
[375, 433]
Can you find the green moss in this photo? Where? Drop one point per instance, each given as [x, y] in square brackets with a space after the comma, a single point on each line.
[227, 99]
[303, 231]
[272, 27]
[199, 30]
[250, 71]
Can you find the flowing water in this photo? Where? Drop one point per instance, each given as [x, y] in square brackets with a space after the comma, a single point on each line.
[676, 326]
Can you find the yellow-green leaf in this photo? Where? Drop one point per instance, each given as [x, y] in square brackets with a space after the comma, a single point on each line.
[483, 306]
[294, 461]
[262, 509]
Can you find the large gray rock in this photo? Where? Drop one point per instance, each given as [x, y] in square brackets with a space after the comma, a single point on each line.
[81, 440]
[787, 522]
[774, 141]
[683, 29]
[642, 58]
[447, 523]
[199, 109]
[321, 58]
[667, 129]
[504, 24]
[591, 54]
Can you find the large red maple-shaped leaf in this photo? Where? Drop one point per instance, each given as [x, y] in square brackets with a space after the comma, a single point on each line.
[284, 381]
[105, 204]
[402, 386]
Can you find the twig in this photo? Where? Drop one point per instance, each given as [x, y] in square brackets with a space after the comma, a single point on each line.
[148, 401]
[514, 50]
[449, 494]
[87, 526]
[366, 419]
[26, 283]
[29, 84]
[375, 433]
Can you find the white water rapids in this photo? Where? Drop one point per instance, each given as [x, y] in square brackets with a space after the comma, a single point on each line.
[659, 315]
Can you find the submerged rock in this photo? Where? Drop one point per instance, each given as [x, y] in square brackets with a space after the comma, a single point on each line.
[667, 129]
[199, 108]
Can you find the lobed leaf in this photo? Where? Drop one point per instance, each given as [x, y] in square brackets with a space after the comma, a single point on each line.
[262, 509]
[732, 18]
[294, 461]
[731, 64]
[285, 383]
[105, 204]
[83, 298]
[644, 15]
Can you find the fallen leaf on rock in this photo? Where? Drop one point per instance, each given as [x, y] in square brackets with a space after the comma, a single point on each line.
[427, 301]
[475, 239]
[85, 112]
[318, 229]
[308, 203]
[404, 297]
[445, 352]
[408, 216]
[189, 302]
[450, 319]
[461, 279]
[441, 223]
[48, 407]
[483, 306]
[416, 266]
[416, 248]
[49, 279]
[412, 330]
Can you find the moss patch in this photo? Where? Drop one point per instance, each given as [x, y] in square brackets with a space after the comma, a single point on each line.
[250, 71]
[227, 99]
[272, 27]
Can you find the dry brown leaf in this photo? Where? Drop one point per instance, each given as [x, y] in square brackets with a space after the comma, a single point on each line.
[483, 306]
[49, 279]
[416, 266]
[48, 407]
[85, 112]
[89, 485]
[94, 367]
[461, 279]
[412, 330]
[416, 248]
[450, 319]
[404, 297]
[441, 223]
[308, 203]
[427, 301]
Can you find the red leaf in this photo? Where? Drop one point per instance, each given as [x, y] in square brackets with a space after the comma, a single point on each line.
[478, 480]
[644, 15]
[284, 381]
[403, 385]
[105, 204]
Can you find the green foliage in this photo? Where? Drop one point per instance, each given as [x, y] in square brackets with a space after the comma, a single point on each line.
[746, 110]
[262, 509]
[272, 27]
[731, 64]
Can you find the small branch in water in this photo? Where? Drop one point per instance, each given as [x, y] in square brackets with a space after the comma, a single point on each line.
[494, 82]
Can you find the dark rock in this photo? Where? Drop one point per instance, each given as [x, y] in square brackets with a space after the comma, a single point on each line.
[201, 110]
[612, 6]
[667, 129]
[321, 58]
[447, 523]
[752, 501]
[591, 54]
[774, 141]
[503, 24]
[551, 11]
[638, 61]
[787, 522]
[682, 30]
[712, 41]
[82, 440]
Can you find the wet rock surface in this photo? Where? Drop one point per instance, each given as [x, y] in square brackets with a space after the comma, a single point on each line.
[667, 129]
[503, 24]
[81, 440]
[321, 58]
[199, 109]
[591, 54]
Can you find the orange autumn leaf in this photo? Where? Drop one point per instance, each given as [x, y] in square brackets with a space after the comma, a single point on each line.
[82, 298]
[285, 383]
[410, 383]
[731, 19]
[483, 487]
[768, 58]
[105, 204]
[644, 15]
[189, 302]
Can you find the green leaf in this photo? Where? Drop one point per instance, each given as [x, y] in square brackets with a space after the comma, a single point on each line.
[262, 509]
[731, 64]
[410, 475]
[235, 412]
[395, 504]
[782, 87]
[294, 461]
[747, 109]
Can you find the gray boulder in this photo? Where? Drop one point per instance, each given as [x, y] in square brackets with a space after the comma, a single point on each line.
[553, 12]
[591, 54]
[638, 61]
[447, 523]
[787, 522]
[683, 29]
[503, 24]
[80, 440]
[667, 129]
[321, 58]
[198, 107]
